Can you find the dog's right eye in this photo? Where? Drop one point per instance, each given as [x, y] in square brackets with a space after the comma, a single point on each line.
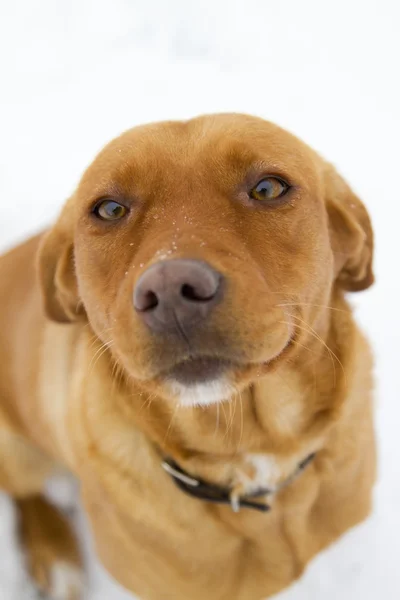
[109, 210]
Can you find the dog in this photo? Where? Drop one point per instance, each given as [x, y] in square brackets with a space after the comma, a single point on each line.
[180, 341]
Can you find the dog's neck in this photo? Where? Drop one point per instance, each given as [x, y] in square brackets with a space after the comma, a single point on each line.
[262, 433]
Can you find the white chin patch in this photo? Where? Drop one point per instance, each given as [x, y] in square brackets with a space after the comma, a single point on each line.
[202, 394]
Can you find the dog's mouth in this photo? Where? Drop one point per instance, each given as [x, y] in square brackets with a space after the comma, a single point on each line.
[196, 370]
[202, 379]
[203, 369]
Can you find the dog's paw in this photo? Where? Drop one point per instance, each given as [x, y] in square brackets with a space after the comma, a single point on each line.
[62, 581]
[67, 582]
[51, 550]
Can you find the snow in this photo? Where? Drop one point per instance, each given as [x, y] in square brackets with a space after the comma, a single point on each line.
[74, 73]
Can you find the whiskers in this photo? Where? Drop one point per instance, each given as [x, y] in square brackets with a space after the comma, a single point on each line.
[171, 422]
[241, 419]
[117, 371]
[233, 401]
[98, 354]
[148, 402]
[217, 415]
[310, 305]
[308, 329]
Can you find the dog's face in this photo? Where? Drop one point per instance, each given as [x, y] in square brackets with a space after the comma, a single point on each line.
[202, 252]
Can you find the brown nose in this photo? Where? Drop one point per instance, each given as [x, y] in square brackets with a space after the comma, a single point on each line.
[176, 294]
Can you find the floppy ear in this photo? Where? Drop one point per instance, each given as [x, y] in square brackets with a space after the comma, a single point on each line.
[56, 269]
[351, 234]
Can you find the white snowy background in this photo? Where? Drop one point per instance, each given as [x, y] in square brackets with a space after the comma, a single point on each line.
[74, 73]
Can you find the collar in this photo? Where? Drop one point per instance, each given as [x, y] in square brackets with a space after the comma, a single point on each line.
[210, 492]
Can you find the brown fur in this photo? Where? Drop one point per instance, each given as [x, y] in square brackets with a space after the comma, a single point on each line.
[86, 392]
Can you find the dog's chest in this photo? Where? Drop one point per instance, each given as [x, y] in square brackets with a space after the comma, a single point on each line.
[260, 472]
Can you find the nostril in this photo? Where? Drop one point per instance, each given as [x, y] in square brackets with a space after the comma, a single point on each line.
[189, 292]
[149, 301]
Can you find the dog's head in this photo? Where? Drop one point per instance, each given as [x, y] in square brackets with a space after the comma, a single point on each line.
[201, 251]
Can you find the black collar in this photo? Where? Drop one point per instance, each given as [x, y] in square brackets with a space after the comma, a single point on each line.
[213, 493]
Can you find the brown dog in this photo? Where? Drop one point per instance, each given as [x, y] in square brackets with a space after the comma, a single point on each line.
[194, 316]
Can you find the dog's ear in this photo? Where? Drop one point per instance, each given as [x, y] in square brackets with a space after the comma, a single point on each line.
[351, 234]
[56, 270]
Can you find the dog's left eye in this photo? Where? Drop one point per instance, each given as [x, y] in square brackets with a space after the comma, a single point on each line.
[109, 210]
[269, 188]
